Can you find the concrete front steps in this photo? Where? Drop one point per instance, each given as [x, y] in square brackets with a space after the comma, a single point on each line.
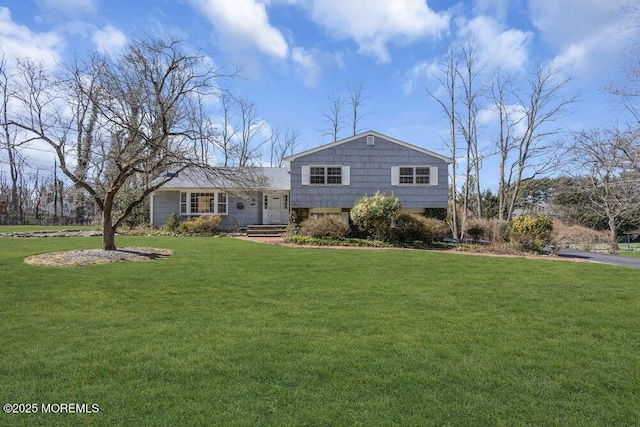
[266, 230]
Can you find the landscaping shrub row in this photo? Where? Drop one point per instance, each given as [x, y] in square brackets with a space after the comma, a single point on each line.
[375, 221]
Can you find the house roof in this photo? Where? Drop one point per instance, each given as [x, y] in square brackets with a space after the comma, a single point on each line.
[249, 178]
[370, 133]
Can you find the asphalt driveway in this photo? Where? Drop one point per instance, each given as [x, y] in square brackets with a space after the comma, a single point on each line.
[603, 258]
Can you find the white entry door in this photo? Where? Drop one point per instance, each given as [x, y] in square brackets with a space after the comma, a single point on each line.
[277, 212]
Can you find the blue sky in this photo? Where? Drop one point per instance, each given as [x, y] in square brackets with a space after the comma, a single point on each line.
[297, 53]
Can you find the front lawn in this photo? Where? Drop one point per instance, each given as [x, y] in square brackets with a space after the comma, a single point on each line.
[230, 332]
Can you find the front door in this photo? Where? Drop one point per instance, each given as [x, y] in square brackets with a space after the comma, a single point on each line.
[277, 212]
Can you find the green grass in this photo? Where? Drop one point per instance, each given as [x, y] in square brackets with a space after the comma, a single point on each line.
[229, 332]
[630, 249]
[633, 254]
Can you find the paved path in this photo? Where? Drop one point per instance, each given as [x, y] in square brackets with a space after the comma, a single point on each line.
[603, 258]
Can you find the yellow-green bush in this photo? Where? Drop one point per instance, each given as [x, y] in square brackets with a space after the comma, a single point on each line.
[530, 233]
[373, 214]
[204, 224]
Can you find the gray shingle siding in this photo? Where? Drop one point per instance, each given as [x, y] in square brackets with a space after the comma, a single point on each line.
[167, 202]
[254, 182]
[250, 214]
[164, 204]
[370, 171]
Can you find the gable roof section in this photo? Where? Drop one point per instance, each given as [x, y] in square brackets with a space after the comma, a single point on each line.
[254, 178]
[370, 133]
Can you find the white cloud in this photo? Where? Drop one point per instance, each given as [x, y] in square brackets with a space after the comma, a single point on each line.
[593, 54]
[496, 8]
[109, 39]
[376, 23]
[571, 59]
[593, 39]
[566, 22]
[420, 72]
[69, 7]
[19, 41]
[244, 22]
[507, 49]
[307, 64]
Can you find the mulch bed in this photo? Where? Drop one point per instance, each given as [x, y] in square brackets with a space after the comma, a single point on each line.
[97, 256]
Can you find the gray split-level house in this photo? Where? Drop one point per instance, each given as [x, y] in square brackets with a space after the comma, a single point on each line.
[326, 180]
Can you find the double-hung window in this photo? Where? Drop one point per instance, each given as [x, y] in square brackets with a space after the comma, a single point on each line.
[222, 203]
[196, 203]
[325, 175]
[406, 175]
[318, 175]
[414, 175]
[334, 174]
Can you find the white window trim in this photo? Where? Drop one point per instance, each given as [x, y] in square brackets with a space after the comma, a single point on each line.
[216, 203]
[395, 176]
[345, 175]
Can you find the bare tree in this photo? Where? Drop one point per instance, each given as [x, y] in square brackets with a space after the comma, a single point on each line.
[249, 139]
[449, 73]
[9, 143]
[469, 125]
[357, 97]
[207, 134]
[227, 133]
[537, 110]
[282, 143]
[334, 118]
[145, 99]
[628, 91]
[608, 177]
[505, 143]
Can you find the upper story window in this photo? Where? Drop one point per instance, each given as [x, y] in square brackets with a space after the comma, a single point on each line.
[321, 175]
[325, 175]
[203, 203]
[414, 175]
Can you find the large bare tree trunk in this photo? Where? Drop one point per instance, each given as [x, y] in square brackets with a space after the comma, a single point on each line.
[613, 235]
[108, 233]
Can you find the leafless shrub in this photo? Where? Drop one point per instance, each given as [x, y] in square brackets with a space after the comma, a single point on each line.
[324, 226]
[583, 238]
